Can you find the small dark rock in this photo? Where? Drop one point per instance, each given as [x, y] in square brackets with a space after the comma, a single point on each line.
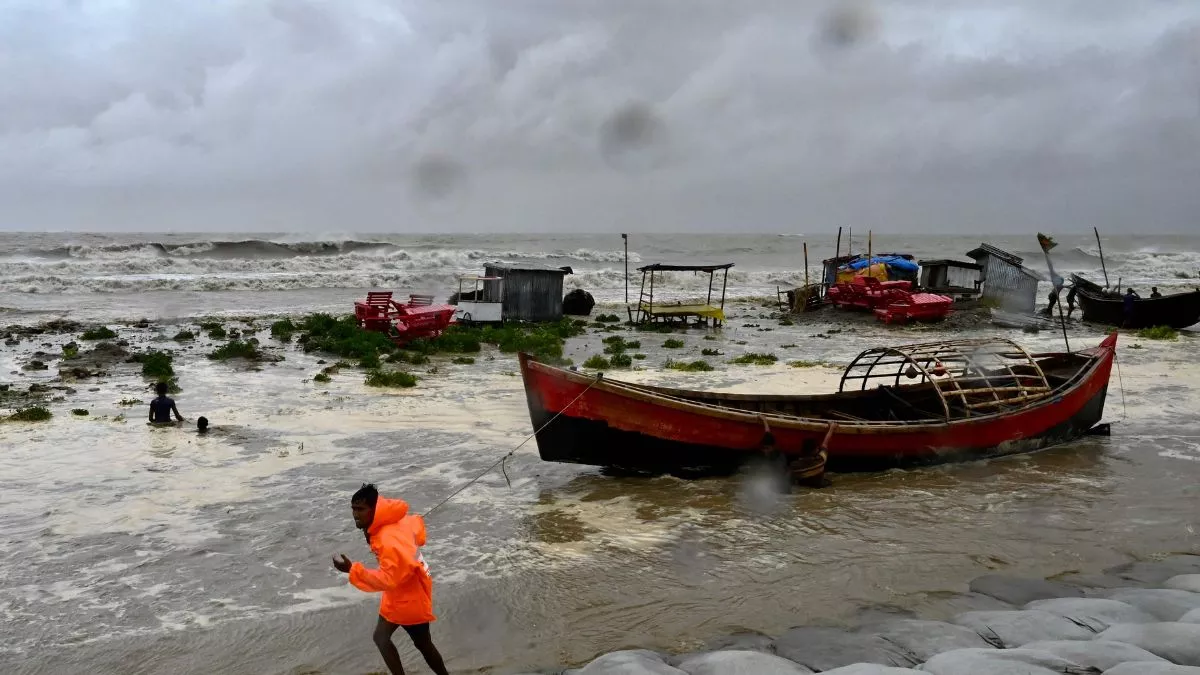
[35, 365]
[38, 388]
[12, 342]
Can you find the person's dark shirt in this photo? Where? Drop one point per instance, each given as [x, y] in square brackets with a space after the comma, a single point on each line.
[160, 408]
[1129, 302]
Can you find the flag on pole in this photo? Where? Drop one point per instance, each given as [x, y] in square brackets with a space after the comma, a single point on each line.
[1047, 243]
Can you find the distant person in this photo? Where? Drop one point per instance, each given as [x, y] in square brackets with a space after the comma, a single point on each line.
[1154, 292]
[1071, 300]
[396, 538]
[1130, 297]
[162, 407]
[202, 425]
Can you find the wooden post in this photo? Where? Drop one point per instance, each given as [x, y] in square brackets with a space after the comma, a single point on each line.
[837, 249]
[626, 238]
[806, 289]
[724, 283]
[870, 262]
[1102, 265]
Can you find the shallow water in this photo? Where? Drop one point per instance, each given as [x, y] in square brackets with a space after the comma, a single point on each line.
[158, 550]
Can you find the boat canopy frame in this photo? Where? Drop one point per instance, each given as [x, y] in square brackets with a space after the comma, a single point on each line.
[648, 311]
[982, 374]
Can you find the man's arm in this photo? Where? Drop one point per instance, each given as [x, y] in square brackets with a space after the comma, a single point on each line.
[391, 574]
[175, 409]
[151, 411]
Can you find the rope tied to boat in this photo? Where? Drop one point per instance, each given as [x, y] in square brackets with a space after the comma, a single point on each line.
[500, 462]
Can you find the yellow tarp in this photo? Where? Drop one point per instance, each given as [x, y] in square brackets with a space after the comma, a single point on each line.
[878, 270]
[685, 310]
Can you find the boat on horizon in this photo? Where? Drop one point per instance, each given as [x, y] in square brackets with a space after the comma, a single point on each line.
[955, 400]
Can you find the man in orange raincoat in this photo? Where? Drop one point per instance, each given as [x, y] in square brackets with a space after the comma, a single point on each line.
[396, 538]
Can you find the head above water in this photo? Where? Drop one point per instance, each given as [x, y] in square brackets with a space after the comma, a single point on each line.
[202, 424]
[362, 505]
[1129, 291]
[161, 388]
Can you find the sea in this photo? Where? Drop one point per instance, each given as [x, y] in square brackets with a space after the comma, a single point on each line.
[132, 549]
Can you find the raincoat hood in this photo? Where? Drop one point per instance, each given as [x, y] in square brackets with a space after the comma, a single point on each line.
[387, 512]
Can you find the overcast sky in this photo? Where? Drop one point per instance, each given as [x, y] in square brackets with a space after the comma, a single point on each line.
[600, 115]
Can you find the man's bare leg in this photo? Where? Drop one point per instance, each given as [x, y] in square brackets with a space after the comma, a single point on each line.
[423, 641]
[383, 640]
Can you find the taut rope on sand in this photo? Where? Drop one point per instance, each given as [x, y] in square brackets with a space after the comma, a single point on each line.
[510, 453]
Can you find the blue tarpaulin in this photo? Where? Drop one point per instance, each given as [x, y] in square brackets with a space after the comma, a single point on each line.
[888, 260]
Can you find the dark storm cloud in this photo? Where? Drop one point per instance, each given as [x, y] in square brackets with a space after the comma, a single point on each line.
[929, 115]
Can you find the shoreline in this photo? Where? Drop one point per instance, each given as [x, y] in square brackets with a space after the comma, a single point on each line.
[550, 537]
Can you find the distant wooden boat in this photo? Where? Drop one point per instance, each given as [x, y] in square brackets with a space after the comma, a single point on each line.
[1178, 310]
[935, 402]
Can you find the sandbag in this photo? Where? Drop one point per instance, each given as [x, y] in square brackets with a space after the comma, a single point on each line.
[828, 648]
[1102, 654]
[871, 669]
[1096, 613]
[1019, 591]
[1164, 603]
[925, 639]
[1154, 573]
[1175, 642]
[629, 662]
[753, 642]
[1001, 662]
[1156, 668]
[1184, 582]
[1191, 617]
[740, 663]
[1016, 628]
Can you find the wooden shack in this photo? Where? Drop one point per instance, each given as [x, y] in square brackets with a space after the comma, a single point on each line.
[958, 279]
[1004, 280]
[530, 292]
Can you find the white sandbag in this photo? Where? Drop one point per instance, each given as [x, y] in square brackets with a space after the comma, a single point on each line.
[871, 669]
[1019, 591]
[1175, 642]
[1156, 668]
[998, 662]
[1164, 603]
[1191, 617]
[1016, 628]
[1184, 582]
[630, 662]
[1102, 654]
[821, 649]
[740, 663]
[1097, 613]
[926, 639]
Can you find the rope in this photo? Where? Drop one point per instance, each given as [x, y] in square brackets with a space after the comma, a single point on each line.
[1121, 380]
[500, 462]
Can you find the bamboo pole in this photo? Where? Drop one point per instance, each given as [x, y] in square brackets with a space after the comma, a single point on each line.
[1102, 265]
[806, 275]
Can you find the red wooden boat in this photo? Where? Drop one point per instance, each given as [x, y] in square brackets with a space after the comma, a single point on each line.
[916, 307]
[403, 322]
[896, 406]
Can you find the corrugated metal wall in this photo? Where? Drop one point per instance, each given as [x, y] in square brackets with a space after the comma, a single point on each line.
[1008, 285]
[529, 295]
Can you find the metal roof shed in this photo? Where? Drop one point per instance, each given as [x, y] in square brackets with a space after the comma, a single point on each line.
[531, 292]
[950, 277]
[1005, 280]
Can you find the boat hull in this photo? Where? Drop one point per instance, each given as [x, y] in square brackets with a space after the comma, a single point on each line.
[613, 426]
[1177, 311]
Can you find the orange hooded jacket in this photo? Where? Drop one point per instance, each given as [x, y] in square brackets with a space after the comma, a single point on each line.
[396, 539]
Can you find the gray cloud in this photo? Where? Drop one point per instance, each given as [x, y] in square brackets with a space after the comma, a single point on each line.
[928, 115]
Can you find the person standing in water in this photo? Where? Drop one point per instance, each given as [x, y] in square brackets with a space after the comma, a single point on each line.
[396, 538]
[162, 407]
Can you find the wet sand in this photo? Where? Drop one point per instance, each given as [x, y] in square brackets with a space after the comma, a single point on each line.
[158, 550]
